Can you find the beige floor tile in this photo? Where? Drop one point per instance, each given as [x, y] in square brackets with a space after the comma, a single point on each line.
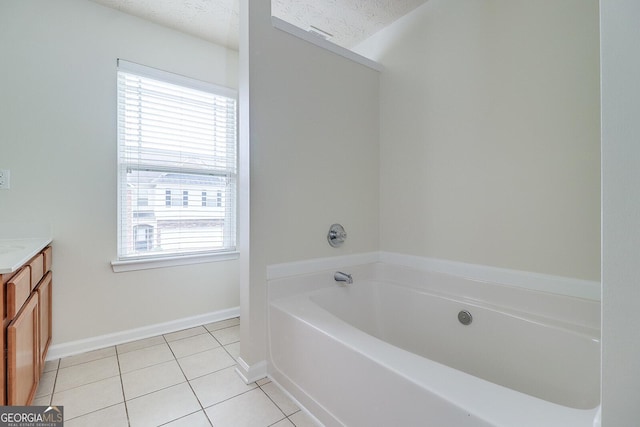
[251, 409]
[283, 401]
[140, 344]
[302, 419]
[233, 349]
[154, 373]
[86, 373]
[205, 362]
[263, 381]
[45, 387]
[162, 406]
[218, 386]
[227, 335]
[185, 333]
[153, 378]
[192, 345]
[113, 416]
[87, 357]
[222, 324]
[89, 398]
[145, 357]
[51, 365]
[198, 419]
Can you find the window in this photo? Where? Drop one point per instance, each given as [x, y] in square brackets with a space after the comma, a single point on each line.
[143, 199]
[212, 201]
[176, 137]
[144, 237]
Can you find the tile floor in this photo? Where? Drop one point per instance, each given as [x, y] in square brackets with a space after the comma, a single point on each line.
[182, 379]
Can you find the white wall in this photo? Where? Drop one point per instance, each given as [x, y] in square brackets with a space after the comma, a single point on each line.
[314, 156]
[58, 138]
[490, 149]
[620, 34]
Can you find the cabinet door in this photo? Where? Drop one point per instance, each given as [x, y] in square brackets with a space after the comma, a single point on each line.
[44, 301]
[23, 356]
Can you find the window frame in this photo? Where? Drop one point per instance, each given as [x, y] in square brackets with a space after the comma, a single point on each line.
[140, 262]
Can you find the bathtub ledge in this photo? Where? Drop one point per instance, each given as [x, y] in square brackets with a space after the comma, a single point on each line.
[560, 285]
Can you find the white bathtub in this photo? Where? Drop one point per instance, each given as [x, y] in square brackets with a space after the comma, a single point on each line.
[389, 350]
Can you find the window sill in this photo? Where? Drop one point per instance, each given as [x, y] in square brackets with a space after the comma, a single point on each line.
[146, 264]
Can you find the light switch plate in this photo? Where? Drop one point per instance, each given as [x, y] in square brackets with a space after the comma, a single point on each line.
[4, 179]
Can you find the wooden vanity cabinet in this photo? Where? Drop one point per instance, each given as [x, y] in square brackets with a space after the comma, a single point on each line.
[44, 305]
[26, 328]
[23, 355]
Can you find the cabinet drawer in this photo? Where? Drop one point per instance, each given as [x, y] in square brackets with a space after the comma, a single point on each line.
[48, 253]
[37, 266]
[18, 290]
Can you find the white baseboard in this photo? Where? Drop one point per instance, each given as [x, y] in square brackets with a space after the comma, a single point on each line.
[94, 343]
[251, 373]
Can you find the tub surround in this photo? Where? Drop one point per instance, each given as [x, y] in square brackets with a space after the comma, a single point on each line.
[547, 283]
[317, 337]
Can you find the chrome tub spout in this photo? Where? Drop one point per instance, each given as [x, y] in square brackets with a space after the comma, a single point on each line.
[339, 276]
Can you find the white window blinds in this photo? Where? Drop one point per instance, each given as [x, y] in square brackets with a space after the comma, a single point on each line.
[177, 172]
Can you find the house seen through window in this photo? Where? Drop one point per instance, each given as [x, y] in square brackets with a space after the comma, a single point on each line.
[177, 168]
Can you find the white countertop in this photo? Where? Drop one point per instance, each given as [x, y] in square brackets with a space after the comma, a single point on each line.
[15, 252]
[19, 242]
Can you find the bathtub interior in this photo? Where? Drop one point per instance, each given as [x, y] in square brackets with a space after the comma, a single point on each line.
[540, 344]
[542, 357]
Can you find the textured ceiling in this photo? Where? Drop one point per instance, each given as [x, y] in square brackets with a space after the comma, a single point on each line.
[214, 20]
[348, 21]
